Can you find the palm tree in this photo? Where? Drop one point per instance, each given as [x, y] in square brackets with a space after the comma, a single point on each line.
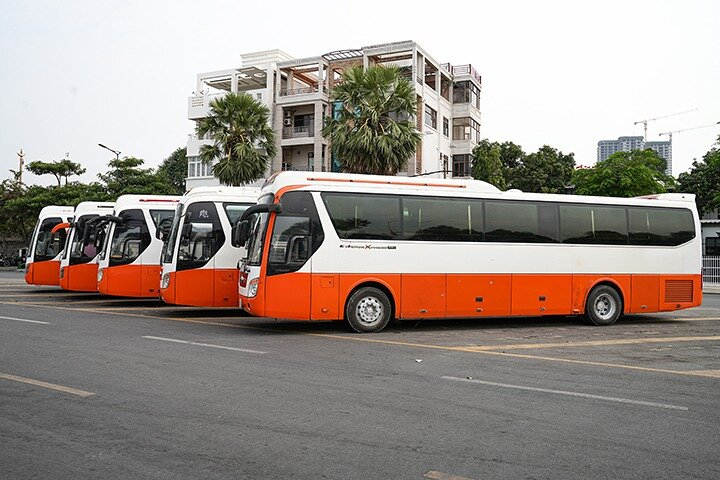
[243, 140]
[374, 131]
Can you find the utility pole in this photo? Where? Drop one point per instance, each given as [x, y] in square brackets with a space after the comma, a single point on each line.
[21, 156]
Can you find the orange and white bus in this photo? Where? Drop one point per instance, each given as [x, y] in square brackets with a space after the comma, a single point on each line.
[199, 261]
[366, 249]
[129, 264]
[78, 266]
[42, 266]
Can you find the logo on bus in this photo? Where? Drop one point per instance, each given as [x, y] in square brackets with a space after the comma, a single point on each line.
[370, 247]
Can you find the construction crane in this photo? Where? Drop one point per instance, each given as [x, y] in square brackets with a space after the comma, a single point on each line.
[645, 122]
[670, 134]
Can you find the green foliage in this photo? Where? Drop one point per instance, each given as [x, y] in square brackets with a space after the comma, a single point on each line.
[127, 177]
[174, 170]
[374, 131]
[546, 171]
[625, 174]
[487, 164]
[506, 165]
[61, 169]
[243, 140]
[704, 181]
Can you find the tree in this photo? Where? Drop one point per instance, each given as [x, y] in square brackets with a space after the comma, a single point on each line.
[127, 177]
[243, 141]
[546, 171]
[487, 164]
[373, 131]
[61, 169]
[174, 170]
[624, 174]
[703, 180]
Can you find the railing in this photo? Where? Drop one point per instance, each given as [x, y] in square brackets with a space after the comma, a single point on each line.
[298, 91]
[298, 132]
[711, 271]
[193, 137]
[462, 70]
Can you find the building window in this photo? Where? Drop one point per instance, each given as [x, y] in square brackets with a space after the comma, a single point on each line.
[430, 117]
[466, 128]
[712, 246]
[446, 127]
[466, 92]
[461, 165]
[196, 168]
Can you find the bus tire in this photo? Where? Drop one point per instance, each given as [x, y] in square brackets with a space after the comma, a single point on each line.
[604, 306]
[368, 310]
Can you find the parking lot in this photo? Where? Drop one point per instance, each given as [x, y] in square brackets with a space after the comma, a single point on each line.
[104, 387]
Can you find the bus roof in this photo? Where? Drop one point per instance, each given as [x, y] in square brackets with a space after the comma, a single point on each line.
[249, 194]
[453, 187]
[124, 201]
[84, 208]
[52, 210]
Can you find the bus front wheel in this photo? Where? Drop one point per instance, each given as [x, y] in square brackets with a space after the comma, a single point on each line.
[368, 310]
[604, 306]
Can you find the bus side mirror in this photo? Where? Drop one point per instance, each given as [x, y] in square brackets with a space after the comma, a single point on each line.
[241, 232]
[163, 229]
[87, 233]
[297, 249]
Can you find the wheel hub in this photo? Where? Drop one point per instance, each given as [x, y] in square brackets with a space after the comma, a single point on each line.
[370, 310]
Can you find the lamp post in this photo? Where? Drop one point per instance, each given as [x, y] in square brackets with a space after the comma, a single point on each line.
[117, 154]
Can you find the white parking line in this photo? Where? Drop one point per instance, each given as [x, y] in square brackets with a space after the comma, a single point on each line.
[174, 340]
[563, 392]
[25, 320]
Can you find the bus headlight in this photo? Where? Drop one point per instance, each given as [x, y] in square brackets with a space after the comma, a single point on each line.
[100, 274]
[253, 287]
[165, 281]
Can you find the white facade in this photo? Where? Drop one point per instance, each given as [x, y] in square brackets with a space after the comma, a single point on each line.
[297, 93]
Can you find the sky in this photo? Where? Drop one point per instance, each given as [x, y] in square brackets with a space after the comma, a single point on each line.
[561, 73]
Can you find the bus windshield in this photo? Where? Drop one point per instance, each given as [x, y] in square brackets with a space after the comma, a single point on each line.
[257, 233]
[81, 252]
[49, 244]
[201, 236]
[130, 238]
[169, 247]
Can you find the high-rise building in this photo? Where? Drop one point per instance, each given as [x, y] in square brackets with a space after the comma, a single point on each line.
[605, 148]
[297, 93]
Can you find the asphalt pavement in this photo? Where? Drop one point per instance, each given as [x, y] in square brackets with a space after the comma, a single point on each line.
[101, 387]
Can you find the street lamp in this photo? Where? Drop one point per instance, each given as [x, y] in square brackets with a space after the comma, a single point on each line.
[117, 154]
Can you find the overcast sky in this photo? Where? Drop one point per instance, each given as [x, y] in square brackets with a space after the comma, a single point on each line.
[563, 73]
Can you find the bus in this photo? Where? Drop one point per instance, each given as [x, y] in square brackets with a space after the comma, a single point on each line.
[78, 266]
[42, 266]
[368, 249]
[199, 262]
[129, 263]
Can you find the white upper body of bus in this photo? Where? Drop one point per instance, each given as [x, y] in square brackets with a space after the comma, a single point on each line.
[132, 237]
[77, 251]
[202, 229]
[41, 244]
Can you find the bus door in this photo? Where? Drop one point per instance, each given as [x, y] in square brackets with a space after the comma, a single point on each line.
[200, 238]
[290, 289]
[129, 237]
[47, 247]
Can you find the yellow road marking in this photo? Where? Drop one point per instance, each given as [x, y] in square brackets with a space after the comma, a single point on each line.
[358, 338]
[51, 386]
[593, 343]
[708, 373]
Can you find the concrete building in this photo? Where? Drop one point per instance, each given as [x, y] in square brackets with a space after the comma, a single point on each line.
[605, 148]
[297, 93]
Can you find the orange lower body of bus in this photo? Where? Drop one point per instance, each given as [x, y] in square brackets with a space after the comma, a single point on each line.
[79, 278]
[303, 296]
[138, 281]
[203, 287]
[43, 273]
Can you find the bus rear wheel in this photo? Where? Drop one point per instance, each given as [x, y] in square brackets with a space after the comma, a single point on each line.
[368, 310]
[604, 306]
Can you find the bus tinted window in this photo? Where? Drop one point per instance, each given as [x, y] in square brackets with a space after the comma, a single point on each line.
[79, 251]
[656, 226]
[234, 211]
[162, 217]
[130, 238]
[442, 219]
[49, 245]
[593, 224]
[201, 236]
[526, 222]
[364, 216]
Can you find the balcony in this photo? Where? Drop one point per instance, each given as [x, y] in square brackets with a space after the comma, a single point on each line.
[458, 70]
[199, 105]
[298, 132]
